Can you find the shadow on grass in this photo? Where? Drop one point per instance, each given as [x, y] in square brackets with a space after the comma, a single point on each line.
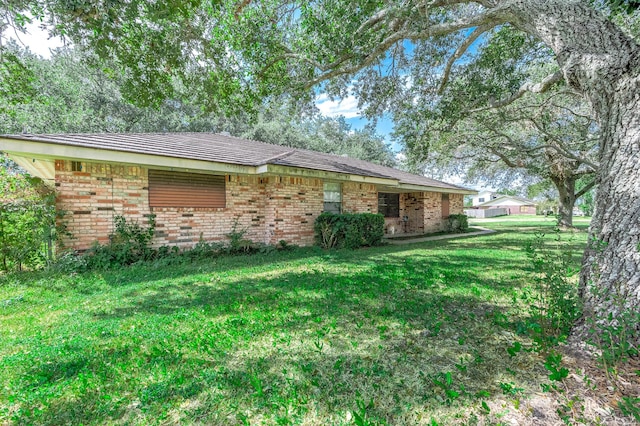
[304, 336]
[279, 346]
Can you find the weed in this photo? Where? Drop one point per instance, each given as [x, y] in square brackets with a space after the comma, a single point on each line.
[554, 305]
[630, 406]
[553, 364]
[615, 337]
[509, 388]
[445, 382]
[237, 241]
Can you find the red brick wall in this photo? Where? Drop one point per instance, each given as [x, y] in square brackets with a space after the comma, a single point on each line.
[456, 204]
[270, 208]
[359, 198]
[424, 210]
[291, 207]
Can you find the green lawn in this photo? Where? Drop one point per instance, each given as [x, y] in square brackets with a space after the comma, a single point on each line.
[409, 334]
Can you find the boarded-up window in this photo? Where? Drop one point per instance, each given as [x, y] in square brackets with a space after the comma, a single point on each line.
[389, 204]
[445, 205]
[179, 189]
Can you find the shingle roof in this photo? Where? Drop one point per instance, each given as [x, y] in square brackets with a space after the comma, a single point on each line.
[232, 150]
[507, 197]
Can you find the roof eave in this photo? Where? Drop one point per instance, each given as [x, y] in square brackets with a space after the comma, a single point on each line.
[275, 169]
[426, 188]
[50, 151]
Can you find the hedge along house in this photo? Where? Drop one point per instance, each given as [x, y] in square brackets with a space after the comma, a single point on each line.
[198, 185]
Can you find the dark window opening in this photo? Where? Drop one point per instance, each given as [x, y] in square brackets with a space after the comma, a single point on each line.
[389, 204]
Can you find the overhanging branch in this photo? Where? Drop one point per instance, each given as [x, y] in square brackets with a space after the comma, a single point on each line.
[459, 52]
[585, 189]
[541, 87]
[489, 18]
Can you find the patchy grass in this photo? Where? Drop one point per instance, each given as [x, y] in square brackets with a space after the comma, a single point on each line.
[414, 334]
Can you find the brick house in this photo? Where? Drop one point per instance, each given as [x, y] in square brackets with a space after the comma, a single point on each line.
[513, 204]
[198, 185]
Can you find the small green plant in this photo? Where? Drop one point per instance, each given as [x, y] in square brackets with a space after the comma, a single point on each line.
[554, 305]
[509, 388]
[630, 406]
[361, 415]
[129, 243]
[615, 337]
[553, 364]
[445, 382]
[514, 349]
[237, 241]
[457, 223]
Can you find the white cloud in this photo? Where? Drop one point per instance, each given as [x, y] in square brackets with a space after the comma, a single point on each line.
[37, 39]
[347, 107]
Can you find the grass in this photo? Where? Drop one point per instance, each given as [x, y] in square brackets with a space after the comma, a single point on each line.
[413, 334]
[402, 237]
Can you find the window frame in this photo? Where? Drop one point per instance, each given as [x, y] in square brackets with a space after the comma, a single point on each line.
[383, 201]
[330, 201]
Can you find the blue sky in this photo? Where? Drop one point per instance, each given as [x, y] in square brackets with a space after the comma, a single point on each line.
[348, 107]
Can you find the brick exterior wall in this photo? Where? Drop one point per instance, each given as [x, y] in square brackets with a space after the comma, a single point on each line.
[456, 204]
[359, 198]
[270, 208]
[291, 207]
[424, 212]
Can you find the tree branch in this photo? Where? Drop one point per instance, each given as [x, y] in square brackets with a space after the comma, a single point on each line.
[558, 146]
[490, 18]
[585, 189]
[459, 52]
[541, 87]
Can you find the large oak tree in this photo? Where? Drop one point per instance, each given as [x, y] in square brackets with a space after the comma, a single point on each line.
[244, 51]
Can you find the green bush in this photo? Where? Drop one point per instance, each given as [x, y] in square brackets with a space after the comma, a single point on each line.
[554, 305]
[129, 243]
[350, 230]
[457, 223]
[29, 222]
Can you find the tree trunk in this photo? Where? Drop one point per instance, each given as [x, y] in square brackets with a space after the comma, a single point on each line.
[610, 276]
[600, 61]
[567, 192]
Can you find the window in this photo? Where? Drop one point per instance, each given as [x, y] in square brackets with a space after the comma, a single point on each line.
[481, 200]
[179, 189]
[332, 197]
[523, 209]
[389, 204]
[76, 166]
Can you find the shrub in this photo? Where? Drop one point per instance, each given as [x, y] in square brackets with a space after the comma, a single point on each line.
[29, 222]
[351, 230]
[237, 241]
[457, 223]
[129, 243]
[555, 305]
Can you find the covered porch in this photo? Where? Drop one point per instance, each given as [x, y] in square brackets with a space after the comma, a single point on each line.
[417, 213]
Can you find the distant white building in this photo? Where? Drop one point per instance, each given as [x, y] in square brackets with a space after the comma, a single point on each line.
[483, 197]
